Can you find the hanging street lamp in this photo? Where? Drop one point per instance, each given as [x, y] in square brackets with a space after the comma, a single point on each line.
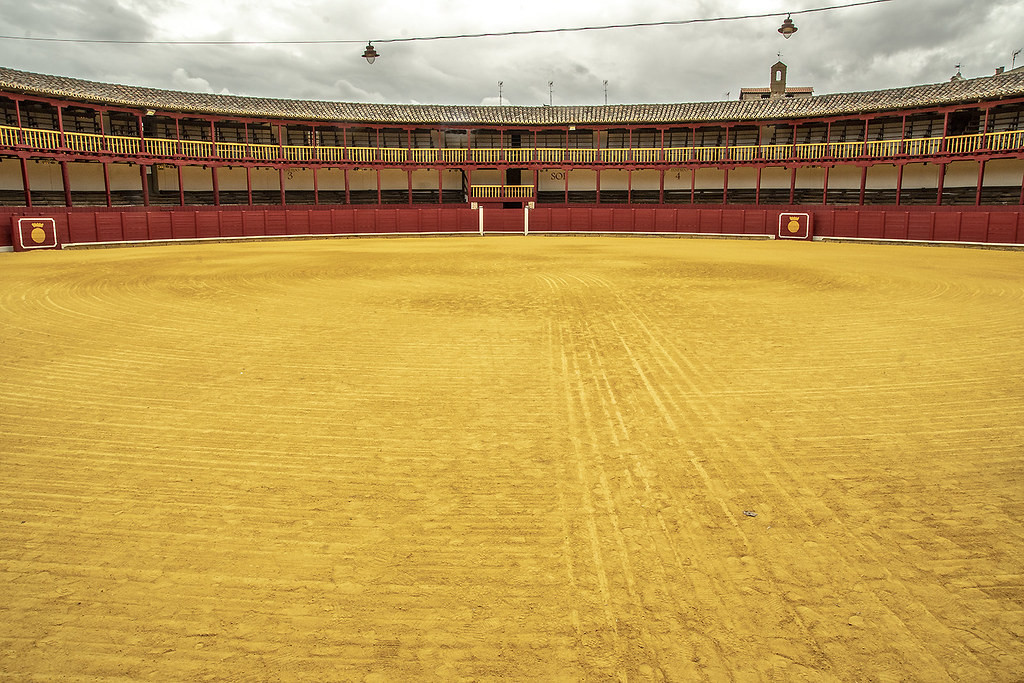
[370, 54]
[788, 28]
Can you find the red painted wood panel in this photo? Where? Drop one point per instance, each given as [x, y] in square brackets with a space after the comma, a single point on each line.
[622, 220]
[208, 224]
[297, 222]
[895, 226]
[974, 227]
[320, 223]
[387, 221]
[710, 220]
[664, 220]
[183, 225]
[81, 227]
[253, 224]
[919, 226]
[231, 224]
[108, 227]
[1002, 228]
[276, 222]
[136, 226]
[947, 227]
[871, 225]
[159, 225]
[503, 220]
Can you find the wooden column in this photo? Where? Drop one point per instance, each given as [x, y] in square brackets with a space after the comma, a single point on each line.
[181, 188]
[316, 188]
[863, 183]
[757, 187]
[661, 176]
[145, 184]
[942, 180]
[725, 184]
[25, 183]
[824, 189]
[981, 181]
[248, 183]
[106, 183]
[792, 186]
[67, 183]
[280, 182]
[216, 186]
[899, 183]
[348, 192]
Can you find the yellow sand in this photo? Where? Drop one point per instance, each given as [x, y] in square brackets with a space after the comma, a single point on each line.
[507, 457]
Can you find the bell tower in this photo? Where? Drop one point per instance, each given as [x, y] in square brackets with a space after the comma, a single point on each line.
[778, 82]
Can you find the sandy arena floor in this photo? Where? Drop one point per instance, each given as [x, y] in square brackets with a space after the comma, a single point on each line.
[480, 458]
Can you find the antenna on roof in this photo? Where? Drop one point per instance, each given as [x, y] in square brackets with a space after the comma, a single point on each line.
[1014, 60]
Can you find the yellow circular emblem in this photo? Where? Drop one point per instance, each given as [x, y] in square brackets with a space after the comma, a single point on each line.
[38, 235]
[794, 225]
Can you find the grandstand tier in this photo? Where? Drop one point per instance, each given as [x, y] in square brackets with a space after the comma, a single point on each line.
[908, 163]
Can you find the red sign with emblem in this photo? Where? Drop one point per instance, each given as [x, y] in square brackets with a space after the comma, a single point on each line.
[795, 226]
[36, 233]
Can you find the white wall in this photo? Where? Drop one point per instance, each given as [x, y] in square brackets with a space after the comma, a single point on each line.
[920, 177]
[844, 178]
[10, 174]
[1004, 172]
[777, 178]
[44, 177]
[614, 179]
[881, 177]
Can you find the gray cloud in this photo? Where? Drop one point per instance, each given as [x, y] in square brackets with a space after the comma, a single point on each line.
[900, 43]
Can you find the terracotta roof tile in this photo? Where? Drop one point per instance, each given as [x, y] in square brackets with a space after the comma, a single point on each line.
[1008, 84]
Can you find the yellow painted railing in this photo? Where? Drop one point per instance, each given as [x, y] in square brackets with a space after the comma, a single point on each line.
[646, 155]
[744, 153]
[550, 155]
[9, 136]
[92, 143]
[1010, 139]
[421, 156]
[519, 155]
[678, 155]
[161, 148]
[483, 155]
[501, 191]
[232, 150]
[41, 139]
[582, 156]
[453, 155]
[845, 150]
[118, 144]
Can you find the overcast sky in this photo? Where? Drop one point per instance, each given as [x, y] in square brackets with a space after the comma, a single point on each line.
[893, 44]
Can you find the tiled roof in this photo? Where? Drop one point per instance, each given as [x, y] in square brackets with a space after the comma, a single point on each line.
[1008, 84]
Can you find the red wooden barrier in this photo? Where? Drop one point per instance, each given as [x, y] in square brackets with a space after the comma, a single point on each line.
[992, 224]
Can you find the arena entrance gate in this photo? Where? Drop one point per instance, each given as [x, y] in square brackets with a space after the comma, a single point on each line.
[501, 219]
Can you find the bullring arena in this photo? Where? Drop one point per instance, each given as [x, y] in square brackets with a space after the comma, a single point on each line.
[699, 391]
[512, 457]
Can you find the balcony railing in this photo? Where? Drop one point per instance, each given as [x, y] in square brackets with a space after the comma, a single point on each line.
[13, 137]
[501, 191]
